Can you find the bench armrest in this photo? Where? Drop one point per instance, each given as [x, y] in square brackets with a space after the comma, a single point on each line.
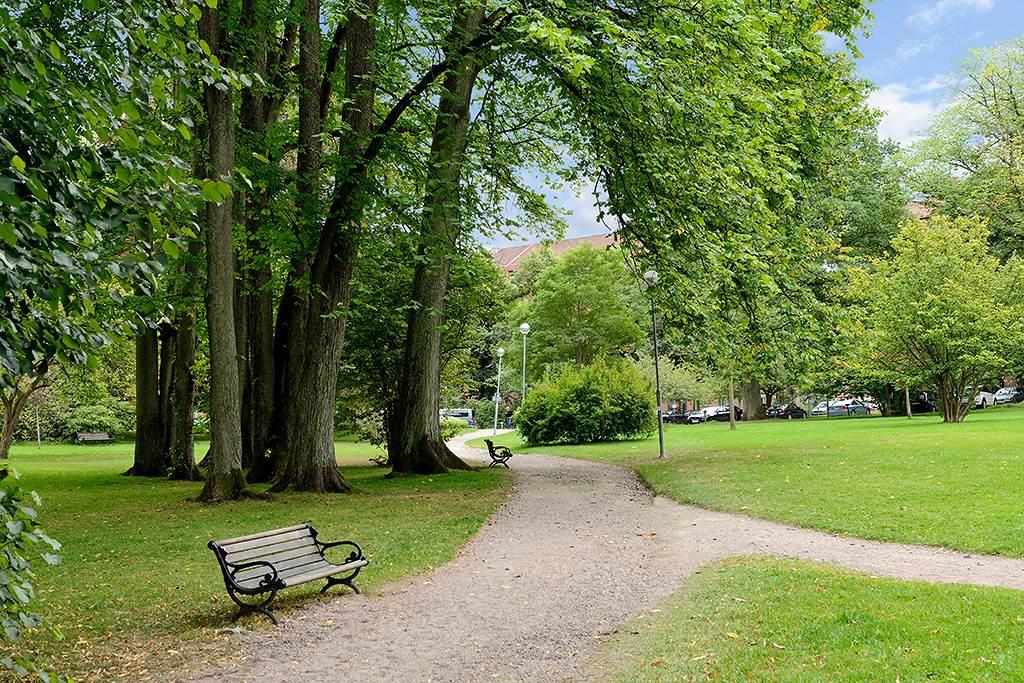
[356, 554]
[268, 581]
[502, 451]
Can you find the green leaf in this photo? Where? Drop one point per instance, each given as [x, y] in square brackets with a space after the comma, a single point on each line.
[212, 4]
[18, 163]
[7, 233]
[171, 248]
[55, 51]
[17, 87]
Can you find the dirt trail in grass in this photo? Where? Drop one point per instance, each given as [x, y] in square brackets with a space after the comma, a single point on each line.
[578, 548]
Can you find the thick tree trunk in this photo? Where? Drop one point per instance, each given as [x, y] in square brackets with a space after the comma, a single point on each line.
[753, 408]
[224, 478]
[181, 446]
[420, 448]
[316, 314]
[149, 439]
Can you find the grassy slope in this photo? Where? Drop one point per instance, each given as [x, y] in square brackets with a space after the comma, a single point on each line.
[138, 579]
[772, 620]
[916, 481]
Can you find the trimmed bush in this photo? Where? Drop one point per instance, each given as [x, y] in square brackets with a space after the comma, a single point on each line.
[601, 402]
[98, 418]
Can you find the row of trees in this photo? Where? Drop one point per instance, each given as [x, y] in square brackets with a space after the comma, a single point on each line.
[237, 173]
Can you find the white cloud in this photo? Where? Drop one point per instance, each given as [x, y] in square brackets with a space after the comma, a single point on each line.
[936, 82]
[910, 48]
[937, 10]
[905, 118]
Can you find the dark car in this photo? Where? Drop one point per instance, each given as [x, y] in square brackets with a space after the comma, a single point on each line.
[721, 414]
[787, 411]
[922, 402]
[674, 417]
[1009, 395]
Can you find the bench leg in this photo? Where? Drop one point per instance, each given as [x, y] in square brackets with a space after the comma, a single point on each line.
[347, 581]
[247, 608]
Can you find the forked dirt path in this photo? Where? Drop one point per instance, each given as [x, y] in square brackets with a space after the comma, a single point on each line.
[578, 548]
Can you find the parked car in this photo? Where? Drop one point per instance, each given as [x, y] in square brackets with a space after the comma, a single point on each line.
[721, 413]
[700, 415]
[674, 416]
[787, 411]
[982, 399]
[923, 402]
[841, 408]
[464, 414]
[1009, 395]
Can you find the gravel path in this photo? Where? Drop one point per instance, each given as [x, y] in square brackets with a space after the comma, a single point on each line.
[578, 548]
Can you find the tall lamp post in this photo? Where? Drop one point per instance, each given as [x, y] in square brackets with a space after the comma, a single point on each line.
[497, 392]
[525, 329]
[651, 278]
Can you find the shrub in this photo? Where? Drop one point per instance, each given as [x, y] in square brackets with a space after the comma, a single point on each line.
[451, 427]
[97, 418]
[584, 405]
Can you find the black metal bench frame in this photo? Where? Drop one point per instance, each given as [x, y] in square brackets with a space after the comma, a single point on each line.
[500, 455]
[270, 583]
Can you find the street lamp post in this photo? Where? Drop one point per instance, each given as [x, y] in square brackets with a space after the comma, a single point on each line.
[651, 278]
[525, 329]
[497, 392]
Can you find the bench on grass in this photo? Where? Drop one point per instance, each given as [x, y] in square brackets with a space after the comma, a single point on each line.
[257, 566]
[93, 437]
[499, 454]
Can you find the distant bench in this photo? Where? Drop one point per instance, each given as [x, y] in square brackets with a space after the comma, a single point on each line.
[93, 437]
[259, 565]
[500, 455]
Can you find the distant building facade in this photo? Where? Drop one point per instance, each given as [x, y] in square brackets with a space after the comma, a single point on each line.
[510, 258]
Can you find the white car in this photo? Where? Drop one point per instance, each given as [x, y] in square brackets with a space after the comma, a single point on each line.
[702, 415]
[983, 399]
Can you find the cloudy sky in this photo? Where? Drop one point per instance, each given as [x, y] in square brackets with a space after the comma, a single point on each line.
[914, 47]
[911, 53]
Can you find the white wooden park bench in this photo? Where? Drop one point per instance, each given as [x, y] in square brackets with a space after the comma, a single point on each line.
[259, 565]
[93, 437]
[499, 454]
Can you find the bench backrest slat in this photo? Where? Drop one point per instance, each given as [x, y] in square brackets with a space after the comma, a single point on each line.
[251, 553]
[227, 542]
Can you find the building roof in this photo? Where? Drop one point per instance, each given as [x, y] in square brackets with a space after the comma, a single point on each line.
[509, 258]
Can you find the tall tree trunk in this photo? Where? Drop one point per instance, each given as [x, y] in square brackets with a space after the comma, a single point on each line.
[753, 408]
[420, 446]
[149, 440]
[224, 478]
[314, 328]
[906, 401]
[255, 310]
[732, 404]
[181, 446]
[166, 333]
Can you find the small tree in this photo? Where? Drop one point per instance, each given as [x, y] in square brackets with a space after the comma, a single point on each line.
[941, 309]
[586, 308]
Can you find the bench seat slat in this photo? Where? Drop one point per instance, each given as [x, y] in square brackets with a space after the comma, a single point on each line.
[330, 570]
[264, 534]
[267, 552]
[282, 566]
[253, 543]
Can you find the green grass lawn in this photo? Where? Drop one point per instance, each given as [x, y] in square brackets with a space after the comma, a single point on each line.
[774, 620]
[914, 481]
[138, 581]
